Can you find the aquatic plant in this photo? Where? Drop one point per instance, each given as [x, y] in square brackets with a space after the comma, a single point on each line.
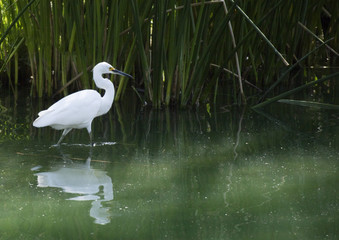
[180, 52]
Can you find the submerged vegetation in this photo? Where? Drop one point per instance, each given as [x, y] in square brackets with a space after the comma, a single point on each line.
[180, 52]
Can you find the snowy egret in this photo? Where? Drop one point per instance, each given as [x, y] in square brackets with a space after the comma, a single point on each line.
[80, 108]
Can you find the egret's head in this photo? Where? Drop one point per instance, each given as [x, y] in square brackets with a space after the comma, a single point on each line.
[103, 68]
[106, 68]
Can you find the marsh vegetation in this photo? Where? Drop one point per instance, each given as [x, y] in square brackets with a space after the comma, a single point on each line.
[180, 52]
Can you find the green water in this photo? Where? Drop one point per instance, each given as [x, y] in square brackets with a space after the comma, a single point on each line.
[211, 173]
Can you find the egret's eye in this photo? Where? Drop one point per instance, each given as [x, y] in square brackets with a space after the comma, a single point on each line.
[111, 69]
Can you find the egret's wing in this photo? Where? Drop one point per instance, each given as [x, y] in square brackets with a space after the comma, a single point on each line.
[75, 109]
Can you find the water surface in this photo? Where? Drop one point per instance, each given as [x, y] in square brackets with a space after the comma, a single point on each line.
[210, 173]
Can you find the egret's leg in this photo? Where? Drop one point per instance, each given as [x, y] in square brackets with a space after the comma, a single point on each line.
[89, 130]
[64, 133]
[91, 138]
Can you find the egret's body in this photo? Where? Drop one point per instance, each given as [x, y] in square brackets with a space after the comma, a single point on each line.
[80, 108]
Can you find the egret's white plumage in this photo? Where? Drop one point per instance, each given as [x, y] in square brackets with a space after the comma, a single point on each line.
[80, 108]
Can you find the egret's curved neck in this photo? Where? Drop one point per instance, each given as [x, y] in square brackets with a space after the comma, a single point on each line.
[108, 97]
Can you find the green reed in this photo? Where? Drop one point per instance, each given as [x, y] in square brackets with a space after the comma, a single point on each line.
[180, 52]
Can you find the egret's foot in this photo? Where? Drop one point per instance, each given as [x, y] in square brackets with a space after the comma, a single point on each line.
[57, 145]
[103, 144]
[36, 168]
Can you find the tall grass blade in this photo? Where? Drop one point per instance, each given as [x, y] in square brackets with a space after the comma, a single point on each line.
[290, 92]
[141, 50]
[236, 56]
[158, 52]
[4, 35]
[285, 73]
[316, 37]
[310, 104]
[262, 34]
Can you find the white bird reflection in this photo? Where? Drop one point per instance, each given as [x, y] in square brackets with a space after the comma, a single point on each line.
[92, 185]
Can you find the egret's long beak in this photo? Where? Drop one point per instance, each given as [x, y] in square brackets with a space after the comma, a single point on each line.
[120, 72]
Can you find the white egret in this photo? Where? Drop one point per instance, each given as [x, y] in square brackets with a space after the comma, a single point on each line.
[78, 110]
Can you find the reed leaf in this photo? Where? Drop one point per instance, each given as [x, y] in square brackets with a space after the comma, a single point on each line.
[141, 50]
[23, 10]
[200, 71]
[261, 34]
[128, 67]
[287, 71]
[310, 104]
[297, 89]
[159, 22]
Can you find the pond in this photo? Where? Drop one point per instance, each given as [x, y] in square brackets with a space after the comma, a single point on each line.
[207, 173]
